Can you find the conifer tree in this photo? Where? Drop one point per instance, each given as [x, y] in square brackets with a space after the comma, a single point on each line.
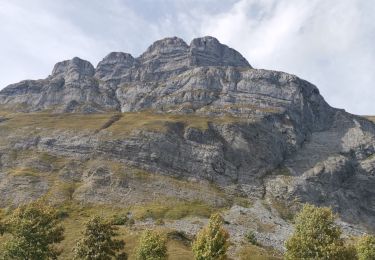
[98, 241]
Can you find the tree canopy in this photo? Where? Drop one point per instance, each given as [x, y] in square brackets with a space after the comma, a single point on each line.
[152, 246]
[34, 230]
[212, 241]
[316, 236]
[98, 241]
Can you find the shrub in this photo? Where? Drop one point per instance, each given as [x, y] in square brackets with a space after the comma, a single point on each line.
[97, 242]
[62, 213]
[316, 236]
[159, 222]
[250, 237]
[2, 228]
[152, 246]
[34, 229]
[212, 241]
[123, 219]
[365, 247]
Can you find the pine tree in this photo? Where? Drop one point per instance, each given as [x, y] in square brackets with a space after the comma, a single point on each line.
[34, 228]
[212, 241]
[97, 242]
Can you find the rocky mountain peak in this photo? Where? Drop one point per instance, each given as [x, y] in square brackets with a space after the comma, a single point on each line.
[171, 45]
[208, 51]
[116, 57]
[205, 51]
[114, 64]
[73, 69]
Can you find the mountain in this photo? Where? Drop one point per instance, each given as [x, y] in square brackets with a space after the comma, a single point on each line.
[193, 123]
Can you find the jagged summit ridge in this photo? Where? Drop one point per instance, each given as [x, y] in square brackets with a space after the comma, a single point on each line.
[167, 54]
[76, 81]
[173, 55]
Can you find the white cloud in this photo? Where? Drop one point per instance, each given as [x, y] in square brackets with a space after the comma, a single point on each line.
[330, 43]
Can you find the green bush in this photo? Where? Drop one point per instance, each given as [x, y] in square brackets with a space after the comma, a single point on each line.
[62, 213]
[152, 246]
[212, 241]
[2, 228]
[316, 236]
[365, 247]
[120, 220]
[159, 222]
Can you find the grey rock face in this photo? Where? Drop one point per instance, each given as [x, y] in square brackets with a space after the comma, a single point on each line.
[114, 65]
[211, 117]
[208, 51]
[73, 69]
[76, 86]
[71, 87]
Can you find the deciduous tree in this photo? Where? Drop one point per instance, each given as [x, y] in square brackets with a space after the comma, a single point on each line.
[212, 241]
[316, 236]
[34, 230]
[152, 246]
[365, 247]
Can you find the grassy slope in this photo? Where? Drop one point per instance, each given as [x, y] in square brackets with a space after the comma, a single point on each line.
[20, 124]
[77, 216]
[372, 118]
[127, 123]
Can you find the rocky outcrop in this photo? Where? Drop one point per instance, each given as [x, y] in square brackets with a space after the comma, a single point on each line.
[195, 112]
[114, 65]
[74, 69]
[71, 87]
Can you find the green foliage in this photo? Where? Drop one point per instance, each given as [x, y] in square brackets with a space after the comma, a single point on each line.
[159, 222]
[212, 241]
[250, 237]
[2, 227]
[316, 236]
[34, 228]
[152, 246]
[68, 189]
[97, 242]
[122, 219]
[365, 247]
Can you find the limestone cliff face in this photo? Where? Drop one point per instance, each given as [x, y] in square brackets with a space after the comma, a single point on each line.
[198, 112]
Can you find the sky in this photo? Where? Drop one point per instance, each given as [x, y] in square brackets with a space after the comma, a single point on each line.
[330, 43]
